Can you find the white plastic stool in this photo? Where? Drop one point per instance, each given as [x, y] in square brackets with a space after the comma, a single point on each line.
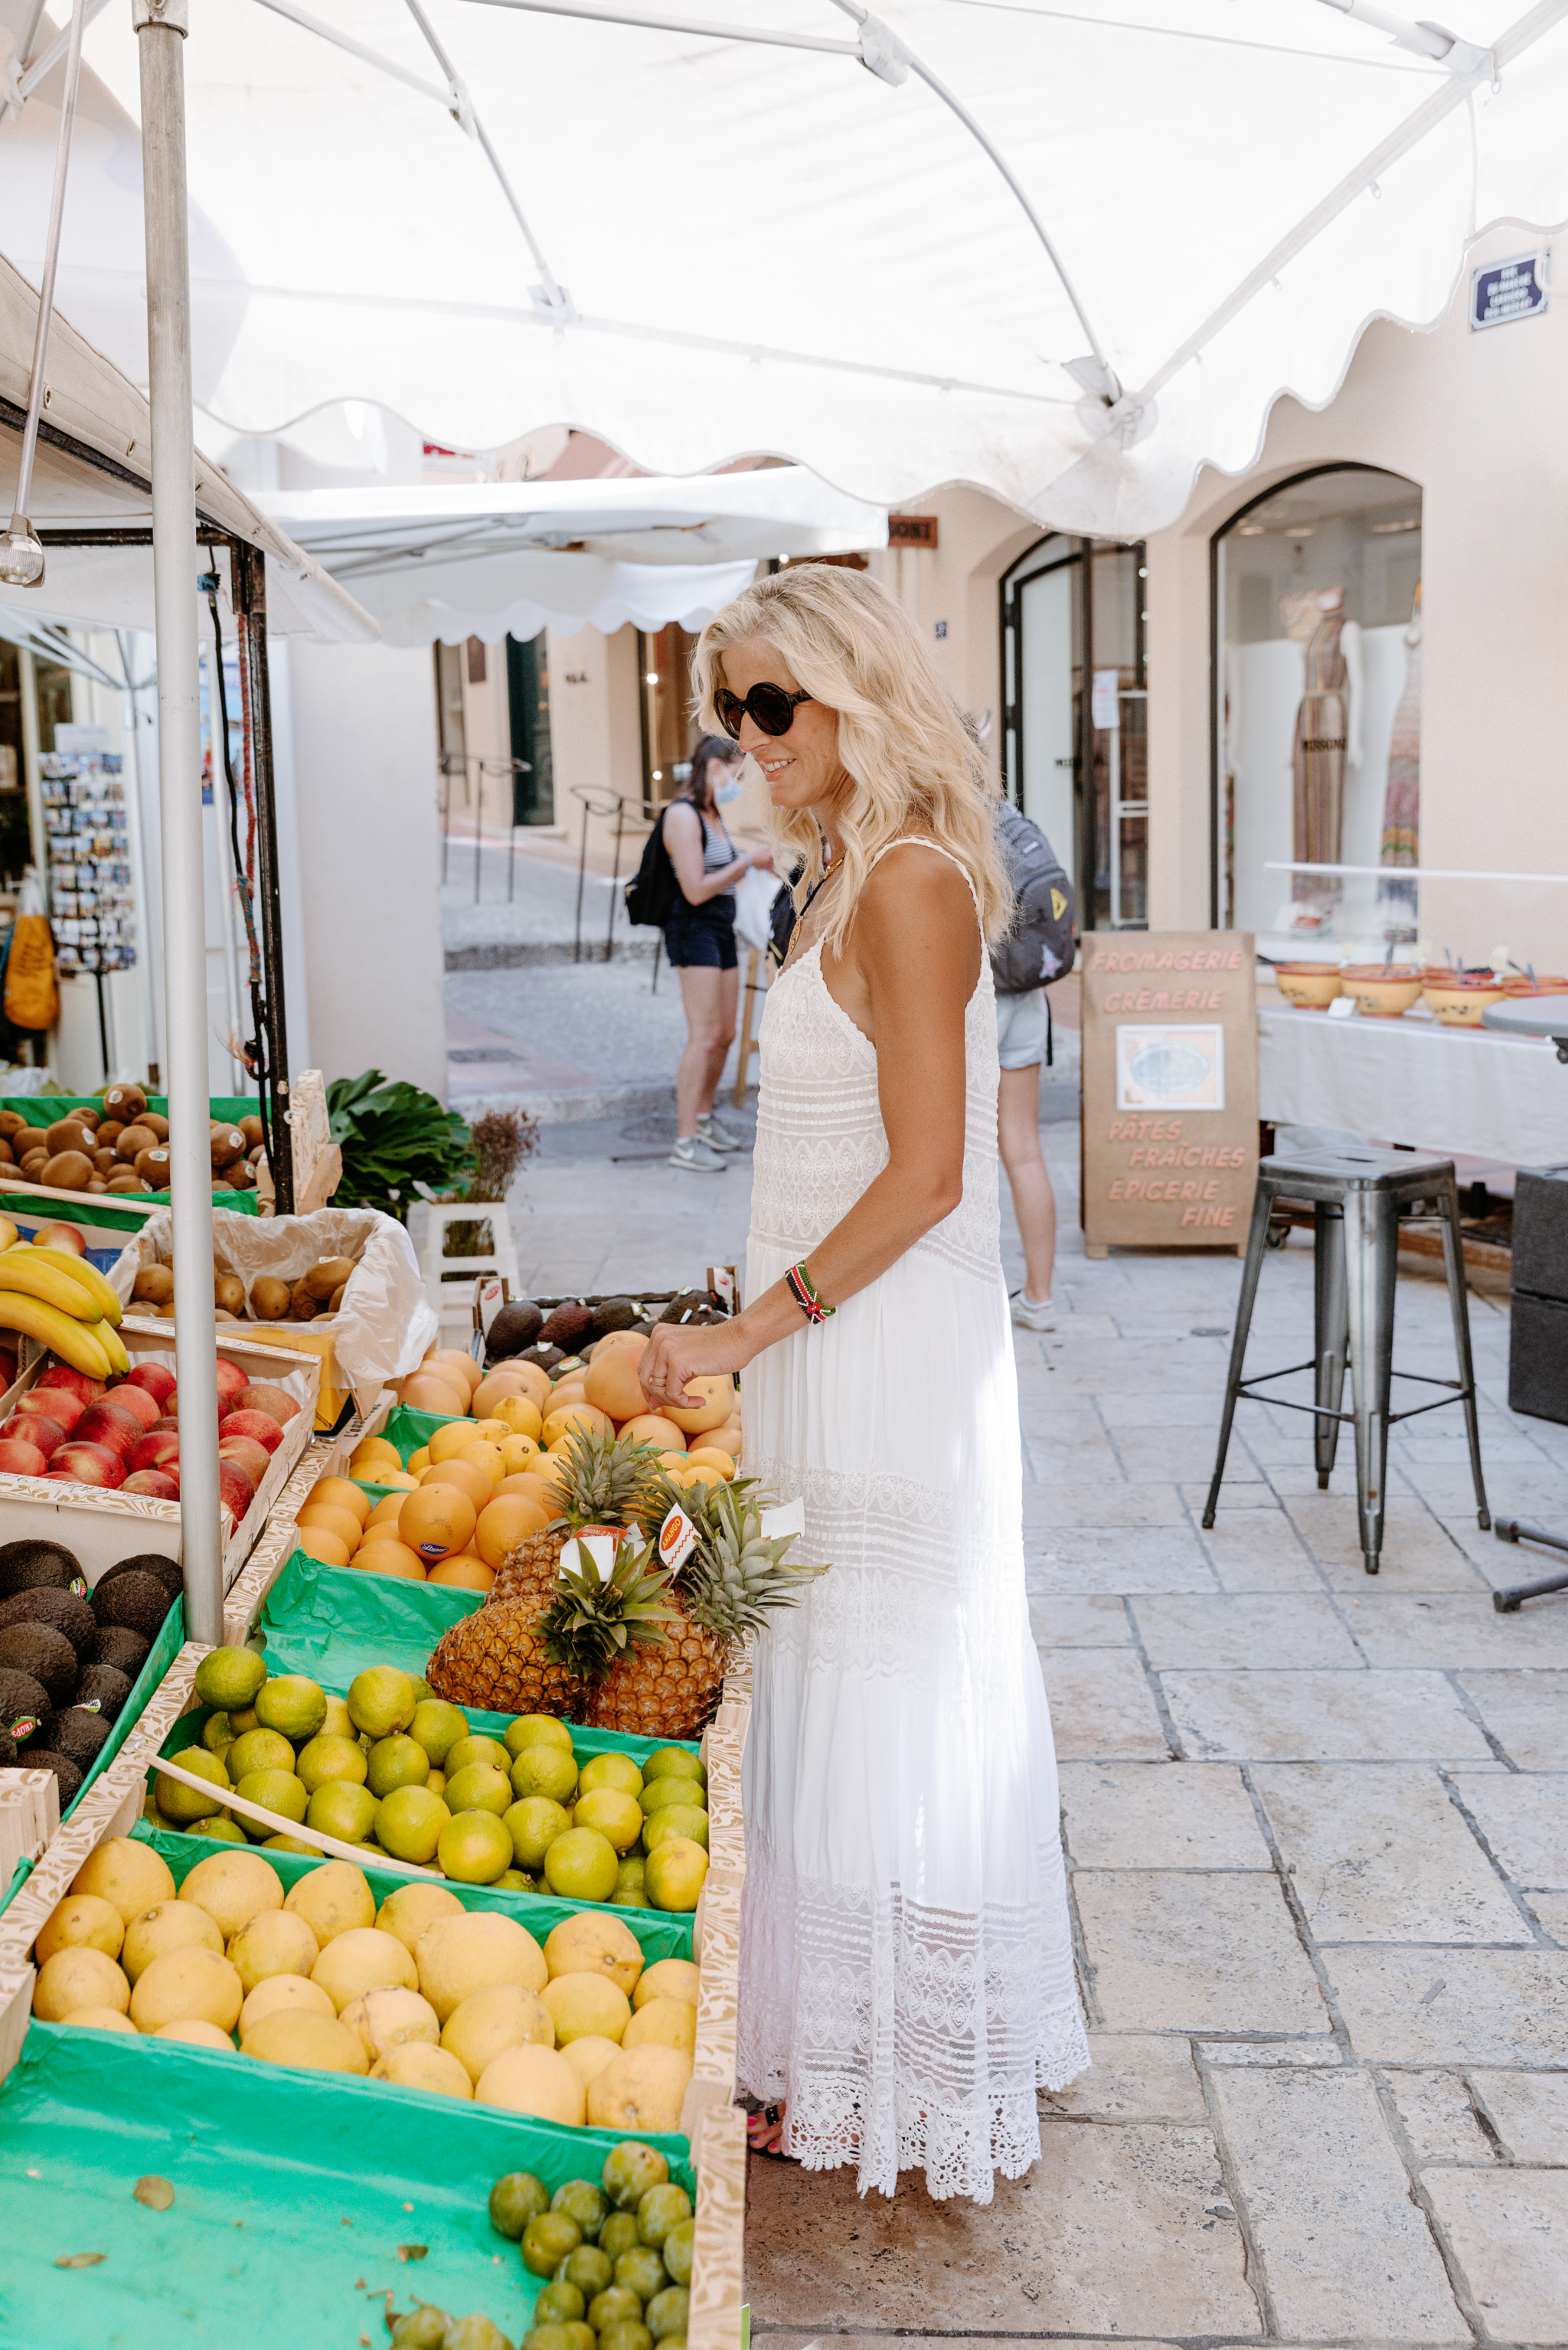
[454, 1300]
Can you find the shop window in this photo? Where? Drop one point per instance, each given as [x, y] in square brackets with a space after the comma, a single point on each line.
[451, 733]
[528, 695]
[1316, 708]
[670, 728]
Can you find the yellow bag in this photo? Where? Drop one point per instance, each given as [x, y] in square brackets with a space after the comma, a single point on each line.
[32, 993]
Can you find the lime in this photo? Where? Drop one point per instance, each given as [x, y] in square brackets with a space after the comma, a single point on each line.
[382, 1700]
[628, 1876]
[479, 1788]
[183, 1805]
[588, 2205]
[397, 1762]
[339, 1721]
[293, 1706]
[469, 1748]
[217, 1734]
[611, 1770]
[326, 1757]
[275, 1791]
[558, 2305]
[225, 1829]
[617, 2305]
[661, 2209]
[514, 2200]
[581, 1865]
[587, 2268]
[340, 1808]
[537, 1730]
[436, 1782]
[630, 1897]
[477, 2332]
[546, 2241]
[660, 1794]
[420, 2329]
[675, 2252]
[544, 1771]
[516, 1880]
[666, 2314]
[436, 1726]
[408, 1822]
[677, 1820]
[422, 1689]
[618, 1817]
[642, 2269]
[676, 1868]
[534, 1825]
[243, 1718]
[634, 2336]
[631, 2169]
[474, 1848]
[259, 1749]
[290, 1844]
[229, 1677]
[675, 1762]
[558, 2336]
[619, 2235]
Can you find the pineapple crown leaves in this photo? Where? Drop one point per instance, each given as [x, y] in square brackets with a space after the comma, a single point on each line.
[606, 1480]
[591, 1625]
[734, 1572]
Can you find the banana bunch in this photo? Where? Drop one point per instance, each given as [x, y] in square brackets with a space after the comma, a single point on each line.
[66, 1304]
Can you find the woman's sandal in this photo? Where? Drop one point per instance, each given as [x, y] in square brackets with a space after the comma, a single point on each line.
[764, 2132]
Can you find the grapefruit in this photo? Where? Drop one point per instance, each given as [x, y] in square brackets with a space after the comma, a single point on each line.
[506, 1520]
[386, 1512]
[464, 1477]
[436, 1521]
[612, 1384]
[718, 1393]
[381, 1557]
[464, 1573]
[317, 1543]
[424, 1392]
[327, 1518]
[534, 2080]
[342, 1494]
[565, 1418]
[653, 1428]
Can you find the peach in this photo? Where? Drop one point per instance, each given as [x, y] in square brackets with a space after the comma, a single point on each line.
[253, 1458]
[152, 1484]
[20, 1458]
[159, 1449]
[155, 1380]
[135, 1400]
[105, 1423]
[259, 1426]
[77, 1383]
[88, 1464]
[277, 1402]
[232, 1381]
[57, 1404]
[235, 1491]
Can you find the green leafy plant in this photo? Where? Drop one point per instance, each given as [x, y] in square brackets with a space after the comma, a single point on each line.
[397, 1143]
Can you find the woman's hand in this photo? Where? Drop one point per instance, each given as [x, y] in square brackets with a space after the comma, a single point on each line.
[762, 859]
[681, 1351]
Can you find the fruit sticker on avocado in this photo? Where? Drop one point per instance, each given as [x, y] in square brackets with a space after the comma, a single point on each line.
[676, 1537]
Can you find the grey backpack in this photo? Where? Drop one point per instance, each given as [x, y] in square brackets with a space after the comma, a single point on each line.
[1040, 946]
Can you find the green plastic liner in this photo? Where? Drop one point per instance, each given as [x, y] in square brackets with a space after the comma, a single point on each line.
[44, 1110]
[298, 2198]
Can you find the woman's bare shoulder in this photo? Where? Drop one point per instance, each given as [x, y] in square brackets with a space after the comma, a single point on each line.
[917, 874]
[682, 815]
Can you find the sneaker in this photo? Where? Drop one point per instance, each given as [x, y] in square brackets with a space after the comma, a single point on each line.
[1031, 1314]
[717, 1137]
[698, 1156]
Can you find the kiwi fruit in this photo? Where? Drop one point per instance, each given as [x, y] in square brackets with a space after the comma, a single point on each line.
[63, 1611]
[24, 1703]
[147, 1562]
[228, 1144]
[7, 1155]
[67, 1134]
[269, 1299]
[229, 1292]
[152, 1164]
[33, 1565]
[44, 1758]
[159, 1124]
[68, 1171]
[251, 1128]
[134, 1138]
[109, 1132]
[118, 1650]
[126, 1101]
[46, 1655]
[103, 1690]
[154, 1283]
[335, 1303]
[128, 1183]
[301, 1305]
[12, 1123]
[139, 1600]
[104, 1162]
[75, 1732]
[323, 1279]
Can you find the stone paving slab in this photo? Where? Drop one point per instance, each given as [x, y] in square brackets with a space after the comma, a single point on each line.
[1379, 1854]
[1509, 2231]
[1133, 2077]
[1199, 1953]
[1079, 1620]
[1141, 1558]
[1321, 1717]
[1530, 2113]
[1526, 1712]
[1525, 1821]
[1455, 1633]
[1438, 2116]
[1100, 1704]
[1452, 2007]
[1169, 1816]
[1247, 1629]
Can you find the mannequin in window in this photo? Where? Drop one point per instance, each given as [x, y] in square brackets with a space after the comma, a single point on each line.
[1401, 843]
[1328, 734]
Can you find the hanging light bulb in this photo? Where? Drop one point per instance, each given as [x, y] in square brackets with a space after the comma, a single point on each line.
[21, 555]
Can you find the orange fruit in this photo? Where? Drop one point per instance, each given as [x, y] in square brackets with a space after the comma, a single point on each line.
[468, 1572]
[722, 1439]
[446, 1359]
[508, 1380]
[547, 1468]
[516, 1452]
[436, 1521]
[718, 1393]
[317, 1544]
[464, 1477]
[423, 1391]
[342, 1494]
[375, 1448]
[519, 1415]
[559, 1425]
[508, 1520]
[321, 1516]
[386, 1513]
[652, 1428]
[612, 1384]
[447, 1443]
[520, 1482]
[486, 1458]
[384, 1557]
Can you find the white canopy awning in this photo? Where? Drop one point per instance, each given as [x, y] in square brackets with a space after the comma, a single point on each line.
[509, 559]
[1068, 254]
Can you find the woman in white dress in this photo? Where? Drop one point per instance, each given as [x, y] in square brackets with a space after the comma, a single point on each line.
[907, 1980]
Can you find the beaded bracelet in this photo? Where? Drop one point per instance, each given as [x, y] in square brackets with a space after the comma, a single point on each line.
[802, 1289]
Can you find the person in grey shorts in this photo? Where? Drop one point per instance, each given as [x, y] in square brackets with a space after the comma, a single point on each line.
[1020, 1033]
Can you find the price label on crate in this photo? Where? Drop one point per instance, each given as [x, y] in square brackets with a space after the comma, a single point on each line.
[490, 1297]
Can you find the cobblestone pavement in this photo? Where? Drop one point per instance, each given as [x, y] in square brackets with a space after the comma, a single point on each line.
[1317, 1826]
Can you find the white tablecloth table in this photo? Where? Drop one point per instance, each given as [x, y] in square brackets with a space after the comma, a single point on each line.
[1466, 1092]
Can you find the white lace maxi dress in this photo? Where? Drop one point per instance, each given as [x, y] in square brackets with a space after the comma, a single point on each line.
[906, 1967]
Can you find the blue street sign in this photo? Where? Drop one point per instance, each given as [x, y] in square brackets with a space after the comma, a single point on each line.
[1508, 290]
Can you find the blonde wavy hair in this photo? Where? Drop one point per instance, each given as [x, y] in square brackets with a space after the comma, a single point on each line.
[912, 765]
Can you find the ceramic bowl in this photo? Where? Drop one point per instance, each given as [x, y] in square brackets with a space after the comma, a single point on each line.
[1310, 986]
[1550, 985]
[1459, 1002]
[1381, 994]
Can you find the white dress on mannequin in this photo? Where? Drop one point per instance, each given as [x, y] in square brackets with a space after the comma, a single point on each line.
[907, 1968]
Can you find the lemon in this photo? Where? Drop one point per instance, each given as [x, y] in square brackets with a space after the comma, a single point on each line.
[275, 1791]
[471, 1749]
[326, 1757]
[662, 2023]
[581, 1865]
[676, 1820]
[533, 1825]
[382, 1701]
[479, 1788]
[412, 1907]
[183, 1805]
[583, 2003]
[668, 1979]
[611, 1770]
[675, 1762]
[291, 1705]
[676, 1868]
[340, 1808]
[290, 1844]
[339, 1721]
[617, 1817]
[397, 1762]
[628, 1876]
[630, 1897]
[217, 1734]
[437, 1727]
[473, 1847]
[229, 1677]
[242, 1720]
[258, 1750]
[277, 1942]
[544, 1771]
[408, 1822]
[587, 1944]
[660, 1793]
[537, 1730]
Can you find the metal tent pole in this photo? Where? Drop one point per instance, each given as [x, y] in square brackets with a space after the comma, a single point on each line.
[248, 575]
[161, 26]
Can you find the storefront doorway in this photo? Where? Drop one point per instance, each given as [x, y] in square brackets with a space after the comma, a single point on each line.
[1076, 703]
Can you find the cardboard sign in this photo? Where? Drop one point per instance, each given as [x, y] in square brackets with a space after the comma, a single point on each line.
[489, 1298]
[724, 1288]
[1170, 1089]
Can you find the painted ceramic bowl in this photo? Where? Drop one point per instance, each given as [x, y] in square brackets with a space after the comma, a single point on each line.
[1519, 985]
[1310, 986]
[1459, 1002]
[1379, 994]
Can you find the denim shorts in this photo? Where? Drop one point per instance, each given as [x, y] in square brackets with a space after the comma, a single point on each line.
[1021, 1029]
[702, 936]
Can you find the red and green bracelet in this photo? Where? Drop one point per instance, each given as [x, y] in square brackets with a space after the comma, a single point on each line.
[802, 1289]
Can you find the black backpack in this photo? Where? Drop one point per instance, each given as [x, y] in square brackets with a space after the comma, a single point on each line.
[1039, 947]
[653, 892]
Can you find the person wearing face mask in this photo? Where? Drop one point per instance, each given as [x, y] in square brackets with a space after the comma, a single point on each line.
[700, 940]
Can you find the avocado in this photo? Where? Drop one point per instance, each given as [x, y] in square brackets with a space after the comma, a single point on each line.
[116, 1645]
[24, 1703]
[47, 1655]
[102, 1690]
[139, 1600]
[569, 1325]
[612, 1313]
[45, 1758]
[61, 1610]
[545, 1357]
[75, 1733]
[147, 1562]
[34, 1566]
[7, 1750]
[515, 1326]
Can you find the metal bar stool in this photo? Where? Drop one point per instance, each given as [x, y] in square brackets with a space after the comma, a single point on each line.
[1357, 1194]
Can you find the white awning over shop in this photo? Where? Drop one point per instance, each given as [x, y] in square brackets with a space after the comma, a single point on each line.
[1067, 254]
[509, 559]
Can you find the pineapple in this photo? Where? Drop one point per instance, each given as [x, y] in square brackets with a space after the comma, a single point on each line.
[497, 1659]
[605, 1478]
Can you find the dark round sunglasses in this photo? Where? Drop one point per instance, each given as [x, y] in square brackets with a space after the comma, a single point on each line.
[769, 708]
